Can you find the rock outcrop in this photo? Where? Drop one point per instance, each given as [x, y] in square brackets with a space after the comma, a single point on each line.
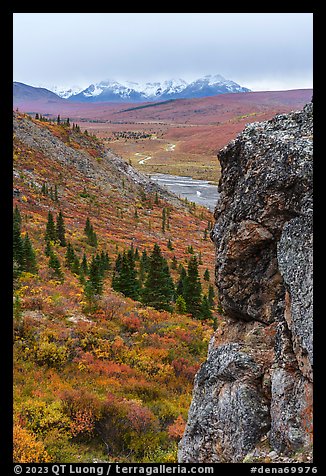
[253, 395]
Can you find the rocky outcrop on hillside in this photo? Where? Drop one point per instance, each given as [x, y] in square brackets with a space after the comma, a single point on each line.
[253, 396]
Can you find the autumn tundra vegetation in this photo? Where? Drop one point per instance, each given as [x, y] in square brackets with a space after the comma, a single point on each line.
[114, 303]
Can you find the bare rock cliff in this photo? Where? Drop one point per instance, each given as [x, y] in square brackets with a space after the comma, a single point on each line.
[253, 396]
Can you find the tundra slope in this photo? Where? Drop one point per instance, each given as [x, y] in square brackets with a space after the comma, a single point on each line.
[252, 399]
[109, 169]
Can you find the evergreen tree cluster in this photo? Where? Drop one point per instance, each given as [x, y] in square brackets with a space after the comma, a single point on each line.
[39, 117]
[50, 191]
[55, 232]
[125, 278]
[59, 121]
[24, 257]
[158, 290]
[151, 283]
[165, 219]
[64, 123]
[75, 127]
[144, 277]
[189, 292]
[96, 271]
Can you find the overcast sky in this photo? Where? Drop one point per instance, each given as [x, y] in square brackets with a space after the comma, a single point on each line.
[262, 51]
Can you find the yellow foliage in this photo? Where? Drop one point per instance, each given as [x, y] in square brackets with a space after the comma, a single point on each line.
[27, 449]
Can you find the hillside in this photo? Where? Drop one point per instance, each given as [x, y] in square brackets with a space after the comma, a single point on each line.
[99, 375]
[24, 93]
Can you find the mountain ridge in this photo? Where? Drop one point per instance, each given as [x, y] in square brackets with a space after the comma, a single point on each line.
[111, 90]
[23, 92]
[131, 91]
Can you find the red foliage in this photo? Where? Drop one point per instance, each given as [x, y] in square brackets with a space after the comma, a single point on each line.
[83, 408]
[182, 368]
[132, 323]
[140, 418]
[177, 428]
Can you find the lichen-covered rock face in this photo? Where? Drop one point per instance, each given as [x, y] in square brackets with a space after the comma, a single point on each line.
[256, 384]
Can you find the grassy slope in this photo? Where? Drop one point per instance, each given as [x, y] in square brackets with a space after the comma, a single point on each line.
[78, 374]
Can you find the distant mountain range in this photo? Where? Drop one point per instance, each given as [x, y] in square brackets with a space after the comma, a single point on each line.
[114, 91]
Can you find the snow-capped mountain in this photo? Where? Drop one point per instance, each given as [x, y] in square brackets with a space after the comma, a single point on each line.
[129, 91]
[62, 91]
[66, 93]
[212, 85]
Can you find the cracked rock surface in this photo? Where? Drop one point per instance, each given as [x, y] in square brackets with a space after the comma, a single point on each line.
[256, 385]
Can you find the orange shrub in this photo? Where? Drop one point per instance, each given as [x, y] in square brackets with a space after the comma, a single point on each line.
[177, 428]
[131, 324]
[27, 449]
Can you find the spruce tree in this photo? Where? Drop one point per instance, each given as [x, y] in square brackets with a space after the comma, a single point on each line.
[70, 255]
[211, 296]
[180, 305]
[48, 249]
[88, 227]
[105, 261]
[143, 267]
[84, 265]
[144, 260]
[169, 245]
[192, 292]
[90, 233]
[18, 250]
[54, 264]
[163, 220]
[158, 289]
[50, 233]
[29, 256]
[116, 272]
[92, 239]
[206, 275]
[181, 284]
[205, 311]
[51, 193]
[75, 266]
[17, 216]
[94, 284]
[60, 230]
[125, 279]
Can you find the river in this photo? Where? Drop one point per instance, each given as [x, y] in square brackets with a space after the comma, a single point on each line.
[199, 191]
